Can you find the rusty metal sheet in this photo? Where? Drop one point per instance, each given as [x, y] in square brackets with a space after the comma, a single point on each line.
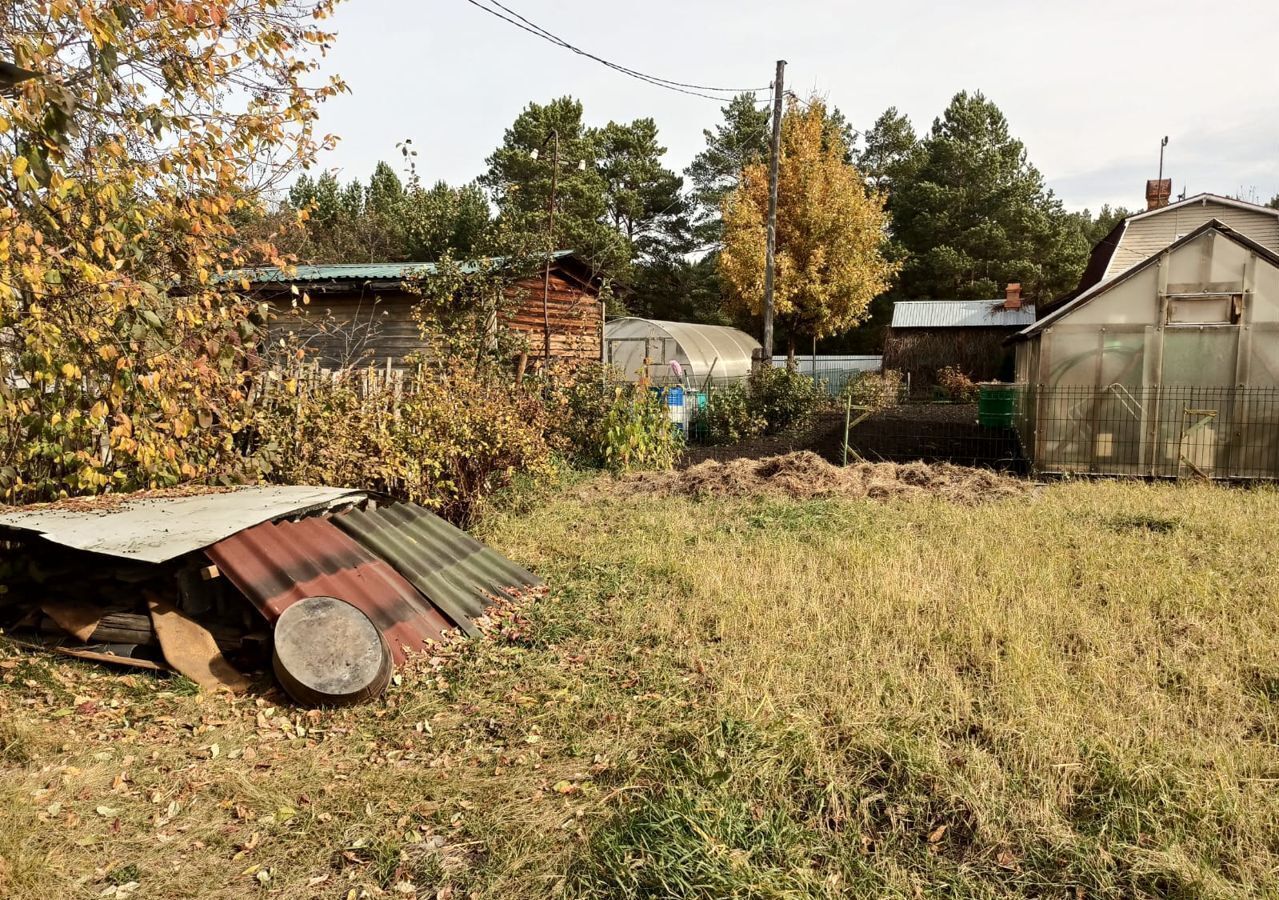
[277, 564]
[456, 572]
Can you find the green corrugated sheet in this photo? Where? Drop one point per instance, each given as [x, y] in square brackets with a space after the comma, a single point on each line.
[452, 569]
[383, 271]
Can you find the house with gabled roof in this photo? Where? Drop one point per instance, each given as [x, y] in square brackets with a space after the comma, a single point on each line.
[1136, 238]
[969, 335]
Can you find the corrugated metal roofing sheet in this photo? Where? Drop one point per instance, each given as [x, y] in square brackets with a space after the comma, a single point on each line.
[381, 271]
[275, 565]
[158, 529]
[960, 314]
[454, 570]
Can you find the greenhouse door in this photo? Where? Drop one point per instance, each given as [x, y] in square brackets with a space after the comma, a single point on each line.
[1194, 404]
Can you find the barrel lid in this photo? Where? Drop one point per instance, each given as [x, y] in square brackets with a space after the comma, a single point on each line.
[329, 653]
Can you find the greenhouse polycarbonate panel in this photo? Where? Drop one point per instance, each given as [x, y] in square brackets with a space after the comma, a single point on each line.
[704, 350]
[456, 572]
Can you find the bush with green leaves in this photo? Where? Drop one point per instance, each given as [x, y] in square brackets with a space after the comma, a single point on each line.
[597, 421]
[728, 417]
[784, 398]
[637, 432]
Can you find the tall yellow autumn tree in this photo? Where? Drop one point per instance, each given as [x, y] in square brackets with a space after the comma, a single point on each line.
[830, 231]
[133, 135]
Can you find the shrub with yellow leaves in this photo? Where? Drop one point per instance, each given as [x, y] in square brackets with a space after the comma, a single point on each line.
[125, 161]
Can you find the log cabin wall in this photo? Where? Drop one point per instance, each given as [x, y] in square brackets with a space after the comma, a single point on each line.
[577, 322]
[360, 325]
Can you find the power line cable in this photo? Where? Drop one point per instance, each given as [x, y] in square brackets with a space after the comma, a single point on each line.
[532, 28]
[566, 44]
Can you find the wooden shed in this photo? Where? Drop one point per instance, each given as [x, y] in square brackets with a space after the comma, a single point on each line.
[927, 335]
[360, 314]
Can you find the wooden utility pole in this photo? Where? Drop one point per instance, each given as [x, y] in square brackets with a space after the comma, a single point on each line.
[770, 261]
[550, 250]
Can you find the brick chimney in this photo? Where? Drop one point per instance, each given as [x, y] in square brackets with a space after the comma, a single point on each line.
[1158, 193]
[1012, 296]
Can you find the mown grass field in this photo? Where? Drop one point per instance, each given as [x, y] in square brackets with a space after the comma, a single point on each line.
[1072, 694]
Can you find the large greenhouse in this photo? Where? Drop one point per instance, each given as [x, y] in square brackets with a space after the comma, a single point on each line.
[642, 348]
[1170, 369]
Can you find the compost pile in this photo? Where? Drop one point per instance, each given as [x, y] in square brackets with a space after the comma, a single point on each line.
[805, 475]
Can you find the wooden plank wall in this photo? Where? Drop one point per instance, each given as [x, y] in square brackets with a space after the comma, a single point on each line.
[344, 331]
[356, 329]
[576, 324]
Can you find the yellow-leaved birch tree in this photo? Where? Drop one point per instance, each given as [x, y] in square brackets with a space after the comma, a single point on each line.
[830, 232]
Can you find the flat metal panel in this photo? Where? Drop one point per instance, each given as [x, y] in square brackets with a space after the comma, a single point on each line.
[961, 314]
[456, 572]
[158, 529]
[276, 565]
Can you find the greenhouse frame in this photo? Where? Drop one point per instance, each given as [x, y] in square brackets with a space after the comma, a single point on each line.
[645, 348]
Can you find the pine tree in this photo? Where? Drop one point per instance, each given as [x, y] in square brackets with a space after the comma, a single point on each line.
[975, 214]
[741, 140]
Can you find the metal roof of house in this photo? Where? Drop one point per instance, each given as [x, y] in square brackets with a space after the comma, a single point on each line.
[378, 271]
[159, 528]
[276, 565]
[453, 570]
[960, 314]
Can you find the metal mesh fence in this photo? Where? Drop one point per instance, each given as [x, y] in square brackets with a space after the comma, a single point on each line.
[1165, 432]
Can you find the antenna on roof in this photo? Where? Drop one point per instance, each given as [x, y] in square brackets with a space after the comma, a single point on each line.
[1162, 145]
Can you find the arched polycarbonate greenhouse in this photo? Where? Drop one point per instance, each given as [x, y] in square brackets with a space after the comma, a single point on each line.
[647, 347]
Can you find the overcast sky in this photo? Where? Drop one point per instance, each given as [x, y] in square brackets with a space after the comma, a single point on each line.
[1090, 86]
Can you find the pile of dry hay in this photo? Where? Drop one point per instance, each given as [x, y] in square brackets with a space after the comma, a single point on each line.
[806, 475]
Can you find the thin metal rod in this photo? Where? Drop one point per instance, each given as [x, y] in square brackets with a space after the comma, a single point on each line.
[550, 250]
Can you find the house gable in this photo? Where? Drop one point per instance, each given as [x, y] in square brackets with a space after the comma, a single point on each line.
[1147, 233]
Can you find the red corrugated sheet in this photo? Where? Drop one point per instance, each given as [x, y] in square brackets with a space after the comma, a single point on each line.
[277, 564]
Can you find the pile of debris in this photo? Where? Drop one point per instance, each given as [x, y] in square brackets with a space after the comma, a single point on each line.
[805, 475]
[327, 586]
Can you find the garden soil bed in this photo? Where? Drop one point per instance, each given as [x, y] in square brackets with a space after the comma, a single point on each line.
[934, 432]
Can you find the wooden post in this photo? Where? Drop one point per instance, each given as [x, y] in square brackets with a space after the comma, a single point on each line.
[550, 250]
[770, 259]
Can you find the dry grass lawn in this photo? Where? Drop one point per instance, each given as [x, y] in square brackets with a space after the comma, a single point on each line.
[1072, 693]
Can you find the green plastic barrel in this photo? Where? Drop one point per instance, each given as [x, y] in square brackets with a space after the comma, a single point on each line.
[996, 404]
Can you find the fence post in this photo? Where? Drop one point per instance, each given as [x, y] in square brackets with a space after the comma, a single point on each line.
[848, 415]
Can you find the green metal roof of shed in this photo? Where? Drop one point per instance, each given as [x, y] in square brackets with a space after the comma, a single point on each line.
[453, 570]
[379, 271]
